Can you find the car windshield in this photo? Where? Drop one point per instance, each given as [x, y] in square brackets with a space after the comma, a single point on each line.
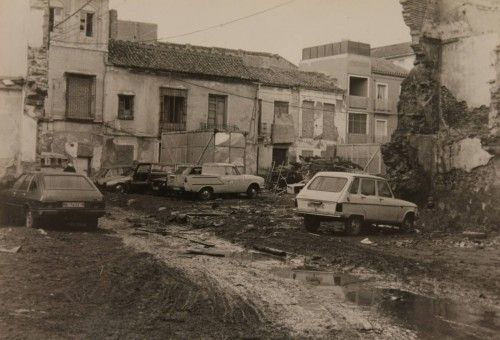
[180, 170]
[55, 182]
[330, 184]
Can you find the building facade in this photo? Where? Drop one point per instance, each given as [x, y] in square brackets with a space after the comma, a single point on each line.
[372, 87]
[399, 54]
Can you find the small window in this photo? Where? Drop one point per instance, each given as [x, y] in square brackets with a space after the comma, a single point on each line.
[231, 170]
[368, 187]
[195, 171]
[357, 123]
[217, 110]
[89, 27]
[384, 190]
[354, 186]
[125, 106]
[280, 108]
[214, 170]
[329, 184]
[382, 92]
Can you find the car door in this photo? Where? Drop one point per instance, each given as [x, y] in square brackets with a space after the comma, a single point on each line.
[388, 210]
[367, 198]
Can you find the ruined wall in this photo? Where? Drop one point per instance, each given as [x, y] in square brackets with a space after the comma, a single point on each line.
[441, 149]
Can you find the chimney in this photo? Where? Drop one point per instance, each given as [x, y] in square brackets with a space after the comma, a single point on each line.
[113, 24]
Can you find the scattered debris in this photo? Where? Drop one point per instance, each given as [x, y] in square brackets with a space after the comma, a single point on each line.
[205, 252]
[161, 208]
[474, 234]
[131, 201]
[367, 241]
[43, 232]
[269, 250]
[10, 250]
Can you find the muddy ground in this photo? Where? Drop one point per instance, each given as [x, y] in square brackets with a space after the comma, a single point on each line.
[137, 276]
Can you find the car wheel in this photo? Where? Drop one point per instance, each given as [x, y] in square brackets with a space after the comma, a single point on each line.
[120, 188]
[408, 222]
[31, 220]
[206, 194]
[253, 191]
[311, 223]
[354, 225]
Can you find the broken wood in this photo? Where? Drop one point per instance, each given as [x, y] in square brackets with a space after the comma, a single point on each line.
[205, 252]
[10, 250]
[269, 250]
[167, 233]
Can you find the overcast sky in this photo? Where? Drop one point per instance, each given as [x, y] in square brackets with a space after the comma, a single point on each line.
[284, 30]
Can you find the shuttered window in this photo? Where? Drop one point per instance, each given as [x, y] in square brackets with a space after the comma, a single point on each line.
[280, 108]
[173, 104]
[307, 119]
[80, 96]
[217, 114]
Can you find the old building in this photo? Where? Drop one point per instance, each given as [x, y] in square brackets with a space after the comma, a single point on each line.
[173, 90]
[102, 91]
[400, 54]
[372, 86]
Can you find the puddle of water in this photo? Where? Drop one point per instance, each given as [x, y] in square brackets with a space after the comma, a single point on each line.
[431, 318]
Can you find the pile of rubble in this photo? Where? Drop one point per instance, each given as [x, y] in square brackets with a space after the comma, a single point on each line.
[296, 172]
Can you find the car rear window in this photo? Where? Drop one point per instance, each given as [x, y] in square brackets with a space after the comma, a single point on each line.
[55, 182]
[180, 170]
[330, 184]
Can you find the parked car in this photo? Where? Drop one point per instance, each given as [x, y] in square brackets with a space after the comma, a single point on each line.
[355, 199]
[150, 176]
[215, 178]
[113, 178]
[177, 178]
[37, 196]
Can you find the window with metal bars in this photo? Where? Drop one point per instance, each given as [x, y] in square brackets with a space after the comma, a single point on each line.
[358, 123]
[80, 96]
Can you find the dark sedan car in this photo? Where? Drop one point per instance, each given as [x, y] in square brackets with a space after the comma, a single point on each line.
[40, 196]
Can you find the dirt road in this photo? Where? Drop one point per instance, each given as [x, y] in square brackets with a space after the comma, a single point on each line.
[137, 277]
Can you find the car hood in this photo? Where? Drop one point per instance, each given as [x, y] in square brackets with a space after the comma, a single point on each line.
[71, 195]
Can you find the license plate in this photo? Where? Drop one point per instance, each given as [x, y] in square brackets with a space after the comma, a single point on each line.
[73, 204]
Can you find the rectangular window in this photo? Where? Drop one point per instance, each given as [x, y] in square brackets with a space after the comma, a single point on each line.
[329, 184]
[382, 92]
[217, 112]
[89, 28]
[329, 129]
[173, 109]
[358, 86]
[381, 127]
[80, 96]
[125, 106]
[358, 123]
[54, 17]
[307, 118]
[368, 187]
[280, 108]
[383, 189]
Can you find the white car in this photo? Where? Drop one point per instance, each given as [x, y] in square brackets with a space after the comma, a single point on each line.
[356, 199]
[214, 178]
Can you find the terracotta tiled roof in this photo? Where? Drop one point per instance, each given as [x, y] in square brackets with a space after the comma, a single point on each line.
[166, 57]
[196, 60]
[395, 50]
[385, 67]
[292, 77]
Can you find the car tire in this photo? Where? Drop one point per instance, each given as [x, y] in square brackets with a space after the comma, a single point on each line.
[253, 191]
[206, 194]
[354, 225]
[311, 223]
[31, 220]
[408, 223]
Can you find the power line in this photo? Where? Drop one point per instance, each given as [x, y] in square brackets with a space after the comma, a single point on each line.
[72, 14]
[205, 28]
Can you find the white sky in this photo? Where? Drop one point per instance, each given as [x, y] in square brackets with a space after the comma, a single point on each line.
[285, 30]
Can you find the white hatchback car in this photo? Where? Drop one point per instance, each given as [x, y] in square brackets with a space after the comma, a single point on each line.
[356, 199]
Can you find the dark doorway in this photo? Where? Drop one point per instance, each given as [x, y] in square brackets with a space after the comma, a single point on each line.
[280, 156]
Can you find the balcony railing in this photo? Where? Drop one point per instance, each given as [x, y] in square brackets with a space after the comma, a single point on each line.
[166, 126]
[385, 105]
[219, 127]
[358, 102]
